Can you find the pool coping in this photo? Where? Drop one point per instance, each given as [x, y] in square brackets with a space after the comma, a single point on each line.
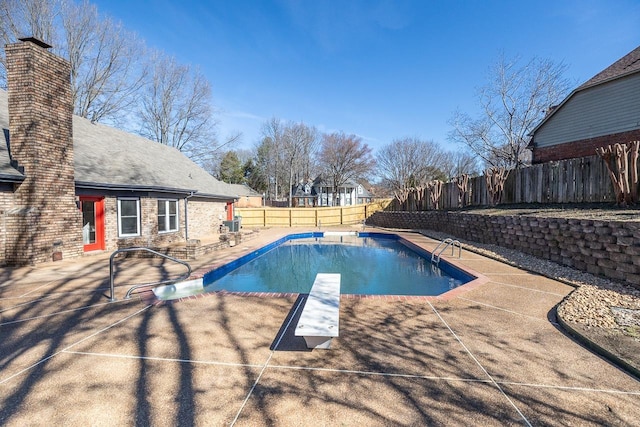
[150, 298]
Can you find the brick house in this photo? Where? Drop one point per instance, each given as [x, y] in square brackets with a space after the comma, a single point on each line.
[69, 186]
[604, 110]
[247, 196]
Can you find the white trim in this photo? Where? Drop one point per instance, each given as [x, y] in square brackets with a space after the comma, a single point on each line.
[137, 200]
[167, 217]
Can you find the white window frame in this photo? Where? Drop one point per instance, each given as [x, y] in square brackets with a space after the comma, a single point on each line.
[137, 233]
[167, 217]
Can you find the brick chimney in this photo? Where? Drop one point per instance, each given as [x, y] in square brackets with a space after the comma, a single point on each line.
[45, 223]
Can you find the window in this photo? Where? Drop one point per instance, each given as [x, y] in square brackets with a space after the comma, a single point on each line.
[128, 217]
[167, 215]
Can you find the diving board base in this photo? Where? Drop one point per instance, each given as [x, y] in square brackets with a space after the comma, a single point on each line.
[318, 342]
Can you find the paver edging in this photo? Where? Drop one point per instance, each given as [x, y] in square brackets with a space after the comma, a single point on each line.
[593, 346]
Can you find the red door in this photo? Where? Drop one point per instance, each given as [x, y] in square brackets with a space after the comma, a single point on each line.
[230, 211]
[92, 222]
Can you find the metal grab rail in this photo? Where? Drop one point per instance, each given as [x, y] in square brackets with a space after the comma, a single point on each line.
[112, 298]
[435, 255]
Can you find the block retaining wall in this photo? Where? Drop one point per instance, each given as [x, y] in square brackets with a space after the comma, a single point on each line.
[605, 248]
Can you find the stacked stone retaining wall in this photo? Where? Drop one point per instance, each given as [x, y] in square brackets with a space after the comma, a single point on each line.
[601, 247]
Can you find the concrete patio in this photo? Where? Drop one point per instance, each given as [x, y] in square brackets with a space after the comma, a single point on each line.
[492, 355]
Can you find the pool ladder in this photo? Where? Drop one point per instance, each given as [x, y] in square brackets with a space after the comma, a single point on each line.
[112, 297]
[435, 255]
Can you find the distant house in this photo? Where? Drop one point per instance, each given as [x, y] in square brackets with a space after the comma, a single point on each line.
[321, 193]
[304, 195]
[246, 196]
[602, 111]
[69, 186]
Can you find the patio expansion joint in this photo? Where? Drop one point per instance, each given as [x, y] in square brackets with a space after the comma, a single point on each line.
[255, 384]
[555, 294]
[163, 359]
[44, 316]
[266, 366]
[508, 311]
[571, 388]
[507, 274]
[492, 380]
[44, 359]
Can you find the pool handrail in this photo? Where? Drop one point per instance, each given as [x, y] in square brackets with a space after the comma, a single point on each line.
[435, 255]
[112, 297]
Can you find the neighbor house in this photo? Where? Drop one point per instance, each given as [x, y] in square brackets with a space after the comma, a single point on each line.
[605, 110]
[69, 186]
[247, 197]
[320, 192]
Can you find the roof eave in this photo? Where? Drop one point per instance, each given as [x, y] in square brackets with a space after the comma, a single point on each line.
[125, 187]
[128, 187]
[216, 196]
[11, 178]
[610, 79]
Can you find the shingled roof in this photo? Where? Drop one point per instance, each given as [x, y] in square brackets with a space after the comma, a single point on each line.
[111, 159]
[243, 190]
[628, 64]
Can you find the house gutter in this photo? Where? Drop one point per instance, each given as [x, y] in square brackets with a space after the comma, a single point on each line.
[11, 178]
[125, 187]
[186, 216]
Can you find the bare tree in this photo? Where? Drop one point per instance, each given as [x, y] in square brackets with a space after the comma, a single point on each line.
[622, 163]
[106, 71]
[26, 18]
[269, 156]
[495, 179]
[343, 158]
[457, 163]
[299, 144]
[462, 182]
[435, 191]
[175, 107]
[513, 101]
[106, 74]
[284, 156]
[409, 163]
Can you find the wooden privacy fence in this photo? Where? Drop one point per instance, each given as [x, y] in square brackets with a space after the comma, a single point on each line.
[309, 217]
[581, 180]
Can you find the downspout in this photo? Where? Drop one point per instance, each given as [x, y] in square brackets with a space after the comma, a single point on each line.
[186, 216]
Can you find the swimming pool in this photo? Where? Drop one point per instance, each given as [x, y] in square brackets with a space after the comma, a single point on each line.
[369, 264]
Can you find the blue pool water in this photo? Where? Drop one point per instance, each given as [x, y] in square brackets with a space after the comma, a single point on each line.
[369, 264]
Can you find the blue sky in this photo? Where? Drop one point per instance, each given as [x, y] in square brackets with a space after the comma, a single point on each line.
[378, 69]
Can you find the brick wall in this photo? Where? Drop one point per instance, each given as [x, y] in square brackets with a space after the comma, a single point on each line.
[582, 148]
[205, 217]
[605, 248]
[44, 223]
[203, 222]
[6, 204]
[149, 235]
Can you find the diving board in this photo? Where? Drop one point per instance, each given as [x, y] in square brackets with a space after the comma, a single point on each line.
[320, 316]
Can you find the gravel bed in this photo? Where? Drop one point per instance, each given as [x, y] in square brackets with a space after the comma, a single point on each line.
[599, 303]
